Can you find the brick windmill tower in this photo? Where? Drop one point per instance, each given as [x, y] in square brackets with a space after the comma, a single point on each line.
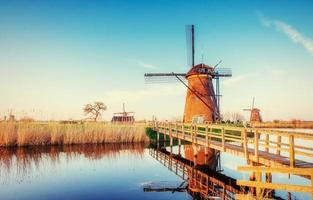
[202, 101]
[255, 115]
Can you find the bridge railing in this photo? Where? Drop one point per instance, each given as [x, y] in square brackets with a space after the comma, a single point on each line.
[261, 184]
[289, 144]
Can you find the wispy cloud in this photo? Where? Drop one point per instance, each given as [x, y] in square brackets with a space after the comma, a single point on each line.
[154, 91]
[277, 72]
[293, 34]
[142, 63]
[236, 79]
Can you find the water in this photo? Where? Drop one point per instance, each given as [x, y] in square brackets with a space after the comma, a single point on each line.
[82, 172]
[100, 172]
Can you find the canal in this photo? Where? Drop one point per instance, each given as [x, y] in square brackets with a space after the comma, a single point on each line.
[101, 172]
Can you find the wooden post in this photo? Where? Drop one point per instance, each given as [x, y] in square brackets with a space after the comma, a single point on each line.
[195, 152]
[258, 177]
[223, 139]
[267, 138]
[278, 144]
[268, 177]
[312, 185]
[196, 134]
[206, 149]
[170, 130]
[207, 136]
[256, 146]
[292, 150]
[224, 191]
[183, 130]
[179, 146]
[245, 144]
[176, 130]
[191, 133]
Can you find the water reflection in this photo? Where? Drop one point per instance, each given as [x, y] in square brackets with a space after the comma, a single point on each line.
[21, 162]
[205, 179]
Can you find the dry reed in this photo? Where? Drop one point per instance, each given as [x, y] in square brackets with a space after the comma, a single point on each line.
[53, 133]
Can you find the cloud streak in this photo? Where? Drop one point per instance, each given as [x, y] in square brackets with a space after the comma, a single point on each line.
[142, 64]
[236, 79]
[293, 34]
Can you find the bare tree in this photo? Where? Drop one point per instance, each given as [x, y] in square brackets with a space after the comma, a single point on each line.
[232, 117]
[94, 110]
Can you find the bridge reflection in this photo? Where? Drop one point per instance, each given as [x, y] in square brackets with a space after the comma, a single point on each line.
[204, 182]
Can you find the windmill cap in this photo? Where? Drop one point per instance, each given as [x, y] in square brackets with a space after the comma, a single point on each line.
[201, 69]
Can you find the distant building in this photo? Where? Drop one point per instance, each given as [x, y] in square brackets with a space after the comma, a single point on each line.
[123, 117]
[11, 118]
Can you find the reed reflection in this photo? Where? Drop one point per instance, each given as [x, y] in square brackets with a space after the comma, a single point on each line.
[20, 162]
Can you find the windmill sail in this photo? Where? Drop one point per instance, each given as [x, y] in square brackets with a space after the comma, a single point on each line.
[190, 44]
[152, 78]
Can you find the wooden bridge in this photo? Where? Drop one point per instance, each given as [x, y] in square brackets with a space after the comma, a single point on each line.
[283, 151]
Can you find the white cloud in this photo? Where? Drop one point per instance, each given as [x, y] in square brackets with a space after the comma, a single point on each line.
[142, 64]
[277, 72]
[293, 34]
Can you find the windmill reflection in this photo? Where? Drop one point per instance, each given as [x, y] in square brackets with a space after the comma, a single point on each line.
[203, 176]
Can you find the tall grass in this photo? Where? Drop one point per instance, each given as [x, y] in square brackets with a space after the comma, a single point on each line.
[54, 133]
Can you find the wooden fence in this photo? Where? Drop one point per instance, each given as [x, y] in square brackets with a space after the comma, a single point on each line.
[264, 146]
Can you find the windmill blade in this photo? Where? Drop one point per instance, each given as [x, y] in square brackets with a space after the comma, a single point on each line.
[190, 45]
[252, 103]
[217, 64]
[120, 113]
[223, 72]
[157, 78]
[164, 74]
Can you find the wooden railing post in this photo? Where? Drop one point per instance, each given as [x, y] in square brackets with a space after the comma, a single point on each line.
[207, 136]
[196, 134]
[176, 130]
[191, 133]
[258, 179]
[278, 144]
[170, 132]
[312, 185]
[183, 130]
[223, 139]
[292, 150]
[267, 138]
[245, 144]
[256, 146]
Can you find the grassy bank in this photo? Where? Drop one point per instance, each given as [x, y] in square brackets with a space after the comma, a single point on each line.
[54, 133]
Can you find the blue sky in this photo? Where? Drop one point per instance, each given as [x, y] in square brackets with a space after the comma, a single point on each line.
[56, 56]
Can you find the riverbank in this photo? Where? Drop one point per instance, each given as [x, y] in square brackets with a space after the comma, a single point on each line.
[55, 133]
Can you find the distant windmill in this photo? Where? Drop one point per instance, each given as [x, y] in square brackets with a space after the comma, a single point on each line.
[255, 115]
[123, 117]
[202, 102]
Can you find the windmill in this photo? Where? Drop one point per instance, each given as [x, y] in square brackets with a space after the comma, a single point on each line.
[255, 115]
[123, 117]
[202, 101]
